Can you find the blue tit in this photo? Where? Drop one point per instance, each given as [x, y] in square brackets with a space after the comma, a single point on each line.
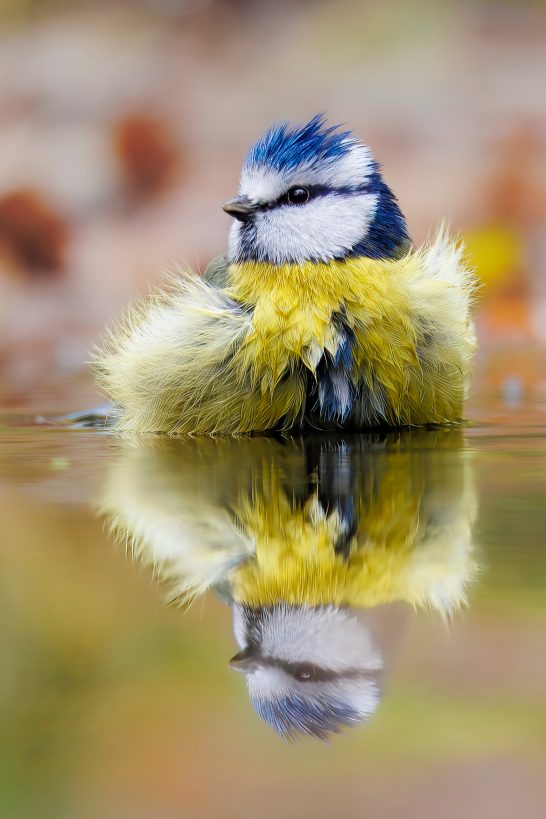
[305, 539]
[321, 316]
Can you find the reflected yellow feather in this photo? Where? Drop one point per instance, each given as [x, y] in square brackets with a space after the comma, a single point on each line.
[398, 553]
[226, 514]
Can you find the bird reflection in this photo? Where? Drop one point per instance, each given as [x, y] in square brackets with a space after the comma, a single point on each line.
[318, 544]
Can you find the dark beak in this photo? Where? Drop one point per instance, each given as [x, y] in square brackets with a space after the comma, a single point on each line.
[244, 661]
[240, 208]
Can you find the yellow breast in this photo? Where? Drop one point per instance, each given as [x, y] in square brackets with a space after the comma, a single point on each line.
[293, 307]
[413, 342]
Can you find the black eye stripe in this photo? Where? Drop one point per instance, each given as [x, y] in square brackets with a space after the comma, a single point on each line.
[309, 672]
[318, 190]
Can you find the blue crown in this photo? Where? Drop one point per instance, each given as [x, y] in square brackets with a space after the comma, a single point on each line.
[292, 715]
[285, 148]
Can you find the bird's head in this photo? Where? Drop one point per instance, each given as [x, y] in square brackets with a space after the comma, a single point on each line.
[313, 193]
[309, 670]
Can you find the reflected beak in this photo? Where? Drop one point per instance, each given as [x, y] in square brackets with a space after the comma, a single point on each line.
[244, 661]
[240, 208]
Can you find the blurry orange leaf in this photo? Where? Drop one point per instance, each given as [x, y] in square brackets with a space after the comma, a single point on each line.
[146, 153]
[33, 236]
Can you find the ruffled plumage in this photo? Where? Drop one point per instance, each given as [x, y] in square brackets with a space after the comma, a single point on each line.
[240, 358]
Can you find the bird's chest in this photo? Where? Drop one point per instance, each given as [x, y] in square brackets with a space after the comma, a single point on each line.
[293, 319]
[340, 336]
[285, 333]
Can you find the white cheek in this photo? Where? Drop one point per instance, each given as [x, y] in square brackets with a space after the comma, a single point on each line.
[239, 626]
[234, 241]
[326, 227]
[331, 638]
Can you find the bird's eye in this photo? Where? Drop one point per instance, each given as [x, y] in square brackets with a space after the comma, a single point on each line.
[304, 672]
[298, 196]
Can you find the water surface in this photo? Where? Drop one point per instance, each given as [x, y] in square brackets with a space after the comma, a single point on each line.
[390, 587]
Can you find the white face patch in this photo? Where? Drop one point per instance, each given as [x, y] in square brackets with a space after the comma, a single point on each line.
[329, 637]
[334, 640]
[325, 227]
[339, 642]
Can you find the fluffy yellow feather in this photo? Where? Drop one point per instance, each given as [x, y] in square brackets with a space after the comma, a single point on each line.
[241, 516]
[236, 359]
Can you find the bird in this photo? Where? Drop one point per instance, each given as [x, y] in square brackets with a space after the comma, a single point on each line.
[322, 315]
[321, 546]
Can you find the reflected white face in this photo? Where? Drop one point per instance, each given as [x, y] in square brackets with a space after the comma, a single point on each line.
[327, 636]
[309, 670]
[312, 211]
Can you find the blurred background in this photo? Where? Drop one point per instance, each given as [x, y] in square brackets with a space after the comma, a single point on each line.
[123, 126]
